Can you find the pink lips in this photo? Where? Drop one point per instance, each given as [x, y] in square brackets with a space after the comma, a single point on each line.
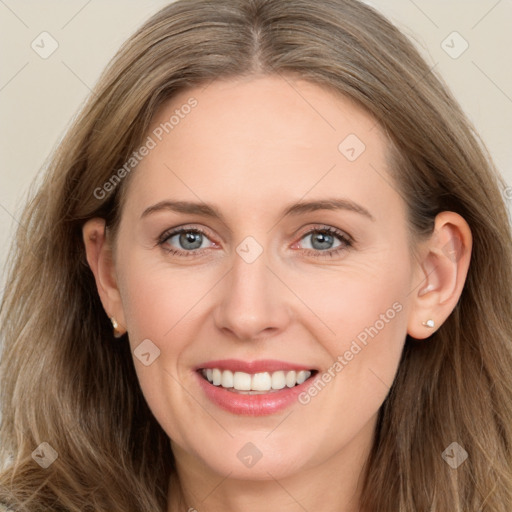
[252, 405]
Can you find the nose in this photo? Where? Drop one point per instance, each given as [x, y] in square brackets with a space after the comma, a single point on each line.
[255, 301]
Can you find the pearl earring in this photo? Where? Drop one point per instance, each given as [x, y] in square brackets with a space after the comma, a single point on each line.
[429, 323]
[115, 325]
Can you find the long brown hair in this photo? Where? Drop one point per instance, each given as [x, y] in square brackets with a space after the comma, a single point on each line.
[67, 382]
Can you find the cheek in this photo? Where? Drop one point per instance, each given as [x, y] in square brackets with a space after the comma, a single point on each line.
[157, 297]
[361, 321]
[158, 304]
[346, 302]
[369, 320]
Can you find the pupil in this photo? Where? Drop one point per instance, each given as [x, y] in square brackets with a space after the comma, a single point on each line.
[324, 238]
[188, 237]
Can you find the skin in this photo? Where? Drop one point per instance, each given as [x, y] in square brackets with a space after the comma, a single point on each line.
[251, 147]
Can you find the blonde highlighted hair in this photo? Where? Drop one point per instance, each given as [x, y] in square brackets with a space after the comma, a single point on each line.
[65, 380]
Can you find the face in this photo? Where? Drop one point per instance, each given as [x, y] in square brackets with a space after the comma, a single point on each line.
[259, 292]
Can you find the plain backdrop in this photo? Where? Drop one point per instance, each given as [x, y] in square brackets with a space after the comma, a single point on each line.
[40, 96]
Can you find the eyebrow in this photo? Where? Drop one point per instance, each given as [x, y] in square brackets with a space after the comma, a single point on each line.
[295, 209]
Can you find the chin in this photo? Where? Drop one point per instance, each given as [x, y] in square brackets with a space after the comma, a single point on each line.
[256, 460]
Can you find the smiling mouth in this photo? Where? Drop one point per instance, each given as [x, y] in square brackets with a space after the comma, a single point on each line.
[256, 383]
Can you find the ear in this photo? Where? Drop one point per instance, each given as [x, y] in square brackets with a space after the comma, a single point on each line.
[442, 270]
[99, 256]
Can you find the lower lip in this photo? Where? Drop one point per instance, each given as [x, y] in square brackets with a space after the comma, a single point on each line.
[252, 405]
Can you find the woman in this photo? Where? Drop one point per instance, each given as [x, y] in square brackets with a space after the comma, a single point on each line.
[337, 335]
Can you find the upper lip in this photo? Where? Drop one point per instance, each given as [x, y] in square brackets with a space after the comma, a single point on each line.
[262, 365]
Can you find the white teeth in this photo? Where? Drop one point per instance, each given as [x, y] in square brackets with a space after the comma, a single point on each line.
[227, 380]
[302, 376]
[291, 378]
[261, 382]
[242, 381]
[264, 381]
[278, 380]
[216, 377]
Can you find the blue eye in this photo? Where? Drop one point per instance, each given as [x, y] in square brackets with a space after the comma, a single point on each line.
[326, 236]
[191, 241]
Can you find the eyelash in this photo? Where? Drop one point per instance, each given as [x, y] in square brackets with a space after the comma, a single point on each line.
[347, 241]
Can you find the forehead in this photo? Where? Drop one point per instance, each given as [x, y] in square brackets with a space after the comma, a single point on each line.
[252, 142]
